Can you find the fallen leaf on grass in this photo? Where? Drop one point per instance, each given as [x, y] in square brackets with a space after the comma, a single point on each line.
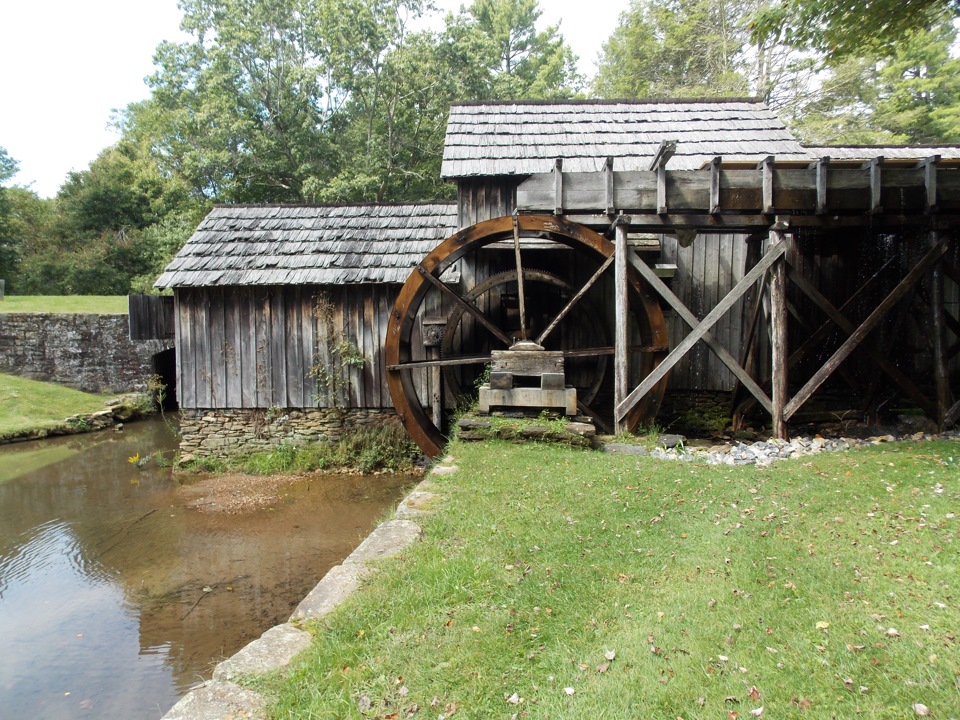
[757, 712]
[603, 667]
[823, 625]
[514, 699]
[569, 690]
[363, 704]
[921, 709]
[892, 632]
[754, 694]
[610, 655]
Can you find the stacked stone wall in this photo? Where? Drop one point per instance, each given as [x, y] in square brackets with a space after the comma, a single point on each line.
[217, 433]
[93, 353]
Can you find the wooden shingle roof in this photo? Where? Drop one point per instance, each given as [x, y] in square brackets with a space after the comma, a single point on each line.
[891, 152]
[309, 245]
[526, 137]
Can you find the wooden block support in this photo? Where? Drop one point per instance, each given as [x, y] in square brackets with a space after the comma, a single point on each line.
[524, 397]
[552, 381]
[501, 380]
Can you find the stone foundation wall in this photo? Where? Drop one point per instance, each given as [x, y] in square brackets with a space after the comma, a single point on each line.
[93, 353]
[694, 411]
[215, 433]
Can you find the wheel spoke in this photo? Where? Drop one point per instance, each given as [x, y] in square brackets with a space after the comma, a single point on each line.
[523, 304]
[574, 300]
[442, 362]
[466, 305]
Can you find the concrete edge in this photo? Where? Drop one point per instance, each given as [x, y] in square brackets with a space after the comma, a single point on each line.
[278, 646]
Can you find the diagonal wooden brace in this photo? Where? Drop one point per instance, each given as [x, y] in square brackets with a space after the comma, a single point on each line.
[841, 320]
[701, 329]
[851, 343]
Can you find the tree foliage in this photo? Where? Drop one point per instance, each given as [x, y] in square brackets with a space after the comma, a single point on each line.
[675, 48]
[842, 28]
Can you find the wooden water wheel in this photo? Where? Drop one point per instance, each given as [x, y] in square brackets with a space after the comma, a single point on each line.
[549, 310]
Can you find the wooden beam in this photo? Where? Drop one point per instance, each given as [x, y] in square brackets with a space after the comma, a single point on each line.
[622, 305]
[715, 185]
[850, 344]
[821, 171]
[659, 165]
[558, 187]
[929, 166]
[876, 184]
[766, 182]
[700, 330]
[608, 184]
[778, 339]
[941, 373]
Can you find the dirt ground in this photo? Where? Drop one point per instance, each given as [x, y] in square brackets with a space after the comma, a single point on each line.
[235, 493]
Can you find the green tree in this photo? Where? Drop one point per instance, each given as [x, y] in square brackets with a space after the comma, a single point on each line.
[9, 249]
[523, 62]
[842, 28]
[910, 96]
[675, 48]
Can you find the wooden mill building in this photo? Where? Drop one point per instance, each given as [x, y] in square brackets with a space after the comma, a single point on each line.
[280, 315]
[715, 204]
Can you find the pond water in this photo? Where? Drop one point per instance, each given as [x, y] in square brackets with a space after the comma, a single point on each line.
[119, 590]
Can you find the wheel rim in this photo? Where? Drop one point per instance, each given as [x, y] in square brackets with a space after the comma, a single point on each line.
[399, 348]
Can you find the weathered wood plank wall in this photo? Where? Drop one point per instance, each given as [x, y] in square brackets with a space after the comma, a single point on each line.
[150, 317]
[707, 270]
[261, 347]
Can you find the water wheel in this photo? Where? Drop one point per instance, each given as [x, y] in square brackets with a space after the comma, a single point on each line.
[558, 313]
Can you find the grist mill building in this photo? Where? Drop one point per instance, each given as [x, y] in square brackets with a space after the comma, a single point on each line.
[670, 250]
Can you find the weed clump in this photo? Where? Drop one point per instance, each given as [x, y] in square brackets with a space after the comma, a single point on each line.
[382, 449]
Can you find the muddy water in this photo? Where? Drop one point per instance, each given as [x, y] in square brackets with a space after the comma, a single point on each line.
[117, 594]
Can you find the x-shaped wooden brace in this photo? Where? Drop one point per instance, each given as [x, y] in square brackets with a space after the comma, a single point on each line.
[856, 335]
[700, 329]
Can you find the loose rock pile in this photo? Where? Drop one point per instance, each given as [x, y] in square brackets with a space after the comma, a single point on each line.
[761, 453]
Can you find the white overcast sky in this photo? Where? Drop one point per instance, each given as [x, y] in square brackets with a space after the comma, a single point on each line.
[67, 63]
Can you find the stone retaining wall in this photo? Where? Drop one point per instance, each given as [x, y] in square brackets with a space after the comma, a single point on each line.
[216, 433]
[93, 353]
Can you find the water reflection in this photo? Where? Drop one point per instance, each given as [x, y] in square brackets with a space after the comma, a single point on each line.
[115, 597]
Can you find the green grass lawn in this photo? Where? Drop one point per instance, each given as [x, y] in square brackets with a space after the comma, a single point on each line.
[556, 583]
[29, 405]
[92, 304]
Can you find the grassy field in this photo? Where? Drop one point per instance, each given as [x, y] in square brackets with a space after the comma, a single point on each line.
[92, 304]
[558, 583]
[28, 404]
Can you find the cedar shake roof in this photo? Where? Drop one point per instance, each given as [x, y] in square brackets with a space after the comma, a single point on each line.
[888, 152]
[526, 137]
[300, 245]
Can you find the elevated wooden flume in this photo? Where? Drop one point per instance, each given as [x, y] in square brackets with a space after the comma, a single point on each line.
[739, 196]
[773, 203]
[781, 200]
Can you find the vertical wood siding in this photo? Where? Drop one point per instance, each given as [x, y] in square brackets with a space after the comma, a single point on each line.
[706, 271]
[255, 347]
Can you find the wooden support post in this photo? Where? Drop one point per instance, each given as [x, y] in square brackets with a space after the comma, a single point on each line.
[766, 181]
[876, 184]
[941, 374]
[821, 170]
[608, 178]
[929, 166]
[622, 339]
[659, 164]
[778, 339]
[558, 187]
[715, 185]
